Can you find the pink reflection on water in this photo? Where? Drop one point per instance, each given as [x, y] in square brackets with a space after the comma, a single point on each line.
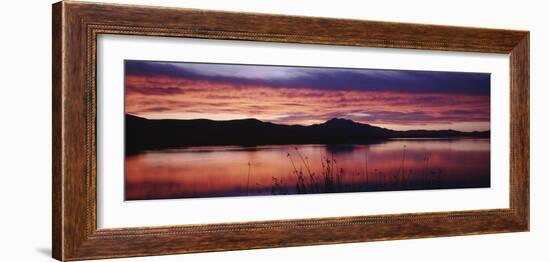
[264, 170]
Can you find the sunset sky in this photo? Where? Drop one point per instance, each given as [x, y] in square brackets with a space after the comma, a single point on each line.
[395, 99]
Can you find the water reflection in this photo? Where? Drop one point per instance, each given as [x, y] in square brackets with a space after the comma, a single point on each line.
[401, 164]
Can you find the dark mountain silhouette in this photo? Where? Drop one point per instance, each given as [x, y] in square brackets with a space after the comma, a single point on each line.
[142, 133]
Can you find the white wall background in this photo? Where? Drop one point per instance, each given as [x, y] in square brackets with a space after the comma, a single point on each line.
[25, 147]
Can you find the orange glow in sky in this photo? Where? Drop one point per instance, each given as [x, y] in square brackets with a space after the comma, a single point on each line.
[169, 96]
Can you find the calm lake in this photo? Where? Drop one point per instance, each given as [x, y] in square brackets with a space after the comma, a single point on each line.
[397, 164]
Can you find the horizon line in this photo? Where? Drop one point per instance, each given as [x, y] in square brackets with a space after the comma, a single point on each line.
[334, 118]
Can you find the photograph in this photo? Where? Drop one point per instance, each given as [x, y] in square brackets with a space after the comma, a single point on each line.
[303, 129]
[197, 130]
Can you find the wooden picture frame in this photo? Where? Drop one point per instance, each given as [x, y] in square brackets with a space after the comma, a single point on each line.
[76, 26]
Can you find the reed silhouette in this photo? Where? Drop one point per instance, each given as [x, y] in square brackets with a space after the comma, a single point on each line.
[331, 178]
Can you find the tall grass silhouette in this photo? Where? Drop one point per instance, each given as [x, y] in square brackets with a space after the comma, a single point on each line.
[332, 177]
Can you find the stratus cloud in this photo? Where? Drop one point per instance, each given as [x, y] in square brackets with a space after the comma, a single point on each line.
[170, 97]
[409, 81]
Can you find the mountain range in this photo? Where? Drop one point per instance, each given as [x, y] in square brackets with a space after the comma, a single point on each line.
[142, 133]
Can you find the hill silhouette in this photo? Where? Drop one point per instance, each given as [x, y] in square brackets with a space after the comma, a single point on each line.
[142, 133]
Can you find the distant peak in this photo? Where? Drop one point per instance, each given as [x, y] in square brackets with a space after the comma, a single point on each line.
[252, 120]
[340, 121]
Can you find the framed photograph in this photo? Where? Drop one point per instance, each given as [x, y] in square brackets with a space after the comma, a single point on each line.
[182, 130]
